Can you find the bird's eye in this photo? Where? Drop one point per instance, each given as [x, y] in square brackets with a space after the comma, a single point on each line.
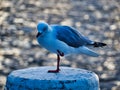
[45, 28]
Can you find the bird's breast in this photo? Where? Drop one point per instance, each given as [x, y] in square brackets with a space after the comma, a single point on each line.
[52, 44]
[48, 43]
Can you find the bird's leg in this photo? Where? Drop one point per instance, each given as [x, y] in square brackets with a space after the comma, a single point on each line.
[58, 62]
[57, 70]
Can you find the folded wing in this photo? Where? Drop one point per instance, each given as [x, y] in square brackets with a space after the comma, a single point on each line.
[71, 36]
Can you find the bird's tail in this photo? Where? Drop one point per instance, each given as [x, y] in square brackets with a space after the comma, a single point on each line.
[87, 51]
[98, 44]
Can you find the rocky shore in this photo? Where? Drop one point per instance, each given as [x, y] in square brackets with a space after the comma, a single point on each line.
[97, 19]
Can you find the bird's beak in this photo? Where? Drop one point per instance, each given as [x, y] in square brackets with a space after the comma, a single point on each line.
[38, 34]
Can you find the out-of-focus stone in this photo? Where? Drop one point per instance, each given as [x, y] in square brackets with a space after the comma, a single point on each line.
[2, 80]
[67, 22]
[113, 27]
[18, 20]
[98, 14]
[91, 8]
[3, 17]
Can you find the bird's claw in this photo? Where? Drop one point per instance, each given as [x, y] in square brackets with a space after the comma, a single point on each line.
[54, 71]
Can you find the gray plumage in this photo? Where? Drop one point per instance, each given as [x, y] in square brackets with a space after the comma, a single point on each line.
[71, 36]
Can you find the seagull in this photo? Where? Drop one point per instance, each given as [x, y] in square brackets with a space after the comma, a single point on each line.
[64, 40]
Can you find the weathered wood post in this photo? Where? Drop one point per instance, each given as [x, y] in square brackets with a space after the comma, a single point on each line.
[37, 78]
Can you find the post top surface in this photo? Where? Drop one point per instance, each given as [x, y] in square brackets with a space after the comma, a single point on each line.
[66, 73]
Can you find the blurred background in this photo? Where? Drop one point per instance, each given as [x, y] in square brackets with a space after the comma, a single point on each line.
[97, 19]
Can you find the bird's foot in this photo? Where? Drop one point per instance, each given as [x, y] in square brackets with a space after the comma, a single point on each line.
[54, 71]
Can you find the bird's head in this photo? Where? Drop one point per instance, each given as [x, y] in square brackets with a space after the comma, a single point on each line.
[42, 28]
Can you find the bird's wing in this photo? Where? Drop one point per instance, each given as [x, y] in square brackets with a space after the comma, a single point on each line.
[71, 36]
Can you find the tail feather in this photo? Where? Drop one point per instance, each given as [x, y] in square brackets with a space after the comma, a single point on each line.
[98, 44]
[87, 51]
